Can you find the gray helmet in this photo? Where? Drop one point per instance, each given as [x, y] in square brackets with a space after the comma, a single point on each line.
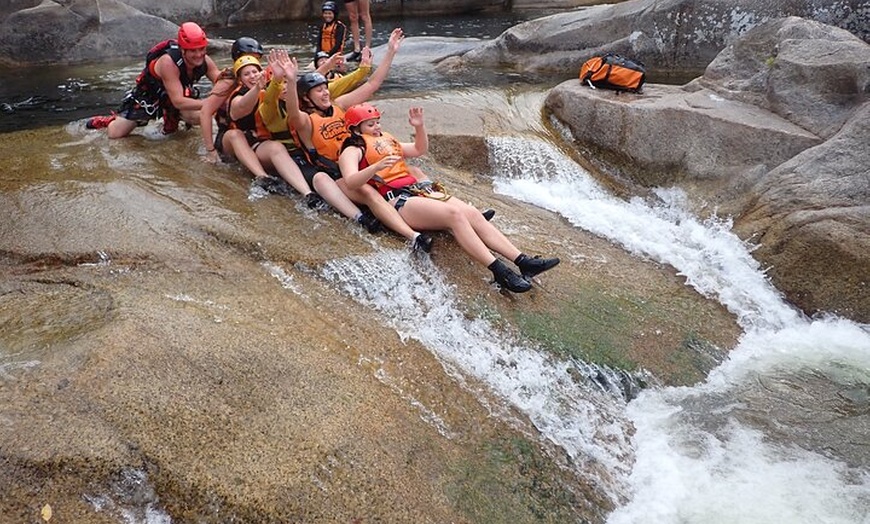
[246, 46]
[309, 81]
[329, 5]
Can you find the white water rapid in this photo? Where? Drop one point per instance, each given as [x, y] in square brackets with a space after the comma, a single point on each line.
[697, 458]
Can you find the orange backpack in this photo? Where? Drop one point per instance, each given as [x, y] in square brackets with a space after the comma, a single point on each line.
[612, 71]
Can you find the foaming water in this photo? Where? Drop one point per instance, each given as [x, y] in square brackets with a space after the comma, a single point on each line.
[580, 417]
[732, 449]
[713, 260]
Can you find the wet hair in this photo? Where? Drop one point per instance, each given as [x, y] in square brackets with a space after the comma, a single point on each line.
[354, 140]
[227, 74]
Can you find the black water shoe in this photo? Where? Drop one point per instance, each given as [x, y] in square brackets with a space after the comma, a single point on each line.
[423, 242]
[507, 278]
[370, 222]
[529, 267]
[488, 214]
[314, 201]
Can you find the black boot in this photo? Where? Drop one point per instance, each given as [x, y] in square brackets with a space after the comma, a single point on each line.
[314, 201]
[370, 222]
[507, 279]
[529, 267]
[423, 242]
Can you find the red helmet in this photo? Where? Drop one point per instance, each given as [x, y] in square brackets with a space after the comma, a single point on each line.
[358, 114]
[191, 36]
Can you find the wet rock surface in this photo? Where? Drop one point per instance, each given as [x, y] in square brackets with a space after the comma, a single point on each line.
[218, 376]
[754, 138]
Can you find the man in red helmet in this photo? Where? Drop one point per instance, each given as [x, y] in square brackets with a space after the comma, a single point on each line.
[165, 88]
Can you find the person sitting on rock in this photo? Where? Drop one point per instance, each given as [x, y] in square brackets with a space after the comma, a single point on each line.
[244, 116]
[165, 88]
[272, 107]
[319, 124]
[372, 157]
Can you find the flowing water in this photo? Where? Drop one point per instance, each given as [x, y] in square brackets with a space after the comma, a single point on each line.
[778, 432]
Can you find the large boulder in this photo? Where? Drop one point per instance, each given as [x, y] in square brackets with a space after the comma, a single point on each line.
[667, 35]
[811, 219]
[83, 31]
[38, 32]
[775, 133]
[809, 73]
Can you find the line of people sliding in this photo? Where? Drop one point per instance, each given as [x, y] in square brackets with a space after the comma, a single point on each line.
[320, 136]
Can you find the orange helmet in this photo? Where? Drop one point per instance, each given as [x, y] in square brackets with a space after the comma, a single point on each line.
[191, 36]
[358, 114]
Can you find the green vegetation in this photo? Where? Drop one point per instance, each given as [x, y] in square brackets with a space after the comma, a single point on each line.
[513, 482]
[594, 327]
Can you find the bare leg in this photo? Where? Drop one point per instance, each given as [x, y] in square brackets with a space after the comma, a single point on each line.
[383, 210]
[366, 19]
[353, 14]
[120, 127]
[190, 118]
[334, 196]
[427, 213]
[488, 233]
[274, 155]
[234, 143]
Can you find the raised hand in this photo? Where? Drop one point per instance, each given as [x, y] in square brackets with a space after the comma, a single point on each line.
[335, 61]
[260, 79]
[415, 116]
[275, 63]
[367, 57]
[396, 38]
[291, 68]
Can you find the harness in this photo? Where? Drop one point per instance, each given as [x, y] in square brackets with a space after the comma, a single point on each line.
[425, 188]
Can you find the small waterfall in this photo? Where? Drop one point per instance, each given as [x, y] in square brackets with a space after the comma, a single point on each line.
[772, 434]
[585, 418]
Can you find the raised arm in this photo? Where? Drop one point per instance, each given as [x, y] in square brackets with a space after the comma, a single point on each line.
[367, 90]
[296, 118]
[421, 139]
[241, 106]
[269, 107]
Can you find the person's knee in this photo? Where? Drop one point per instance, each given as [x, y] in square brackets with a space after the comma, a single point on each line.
[120, 127]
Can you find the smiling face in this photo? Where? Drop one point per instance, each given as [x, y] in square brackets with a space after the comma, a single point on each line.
[193, 57]
[249, 75]
[371, 127]
[328, 16]
[319, 97]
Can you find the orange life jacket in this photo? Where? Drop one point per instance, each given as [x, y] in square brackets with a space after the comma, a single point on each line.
[252, 121]
[387, 179]
[328, 133]
[332, 37]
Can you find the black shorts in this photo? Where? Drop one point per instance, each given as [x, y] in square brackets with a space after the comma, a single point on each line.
[139, 108]
[309, 170]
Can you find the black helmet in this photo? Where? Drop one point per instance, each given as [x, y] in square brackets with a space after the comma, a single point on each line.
[329, 5]
[246, 46]
[309, 81]
[318, 55]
